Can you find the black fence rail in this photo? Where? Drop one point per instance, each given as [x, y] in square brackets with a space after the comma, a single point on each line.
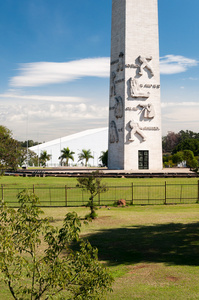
[134, 194]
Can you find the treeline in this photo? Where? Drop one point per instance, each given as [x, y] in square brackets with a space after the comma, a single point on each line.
[179, 147]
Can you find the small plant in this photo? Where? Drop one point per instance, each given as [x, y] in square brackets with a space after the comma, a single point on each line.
[93, 185]
[32, 271]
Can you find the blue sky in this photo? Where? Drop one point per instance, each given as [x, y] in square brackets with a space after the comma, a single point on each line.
[54, 66]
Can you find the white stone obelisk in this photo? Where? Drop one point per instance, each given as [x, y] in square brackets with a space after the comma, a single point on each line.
[135, 139]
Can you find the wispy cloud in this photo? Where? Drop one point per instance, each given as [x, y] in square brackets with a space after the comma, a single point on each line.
[173, 64]
[179, 105]
[42, 73]
[42, 98]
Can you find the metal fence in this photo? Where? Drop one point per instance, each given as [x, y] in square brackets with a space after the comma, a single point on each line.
[134, 194]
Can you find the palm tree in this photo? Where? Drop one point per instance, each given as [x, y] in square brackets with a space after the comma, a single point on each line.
[104, 158]
[85, 154]
[66, 154]
[44, 157]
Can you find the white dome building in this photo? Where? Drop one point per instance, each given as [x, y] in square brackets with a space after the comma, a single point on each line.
[94, 139]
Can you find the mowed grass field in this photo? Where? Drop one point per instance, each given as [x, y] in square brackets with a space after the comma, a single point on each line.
[151, 251]
[72, 181]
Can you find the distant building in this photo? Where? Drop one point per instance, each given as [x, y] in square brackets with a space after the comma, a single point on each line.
[94, 139]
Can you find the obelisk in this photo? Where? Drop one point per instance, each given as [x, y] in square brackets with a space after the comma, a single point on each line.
[135, 138]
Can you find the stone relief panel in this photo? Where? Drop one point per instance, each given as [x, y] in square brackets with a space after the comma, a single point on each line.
[134, 128]
[113, 84]
[120, 66]
[145, 63]
[135, 91]
[148, 110]
[114, 136]
[118, 107]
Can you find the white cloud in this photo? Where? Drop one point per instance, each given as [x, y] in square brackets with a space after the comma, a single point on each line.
[179, 105]
[180, 116]
[172, 64]
[69, 112]
[41, 73]
[42, 98]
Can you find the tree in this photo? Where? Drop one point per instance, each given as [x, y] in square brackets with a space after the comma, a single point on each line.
[191, 161]
[188, 144]
[104, 158]
[31, 158]
[9, 150]
[178, 157]
[44, 157]
[170, 141]
[93, 185]
[66, 154]
[32, 271]
[85, 154]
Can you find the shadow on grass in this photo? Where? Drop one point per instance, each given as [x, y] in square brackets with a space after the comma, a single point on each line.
[169, 243]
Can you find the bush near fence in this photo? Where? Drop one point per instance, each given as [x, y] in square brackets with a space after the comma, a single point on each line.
[134, 194]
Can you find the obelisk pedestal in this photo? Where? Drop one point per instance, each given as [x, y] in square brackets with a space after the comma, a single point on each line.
[135, 139]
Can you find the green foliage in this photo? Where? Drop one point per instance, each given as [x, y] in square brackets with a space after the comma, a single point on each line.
[37, 260]
[104, 158]
[185, 155]
[178, 157]
[30, 157]
[44, 157]
[66, 154]
[188, 144]
[85, 154]
[93, 185]
[183, 140]
[29, 143]
[9, 150]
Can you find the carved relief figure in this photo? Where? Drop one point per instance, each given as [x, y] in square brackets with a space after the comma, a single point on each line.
[145, 64]
[135, 90]
[118, 107]
[120, 66]
[113, 86]
[114, 137]
[135, 129]
[148, 111]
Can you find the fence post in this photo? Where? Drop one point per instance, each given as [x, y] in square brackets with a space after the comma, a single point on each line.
[66, 200]
[198, 192]
[165, 193]
[132, 193]
[2, 196]
[33, 188]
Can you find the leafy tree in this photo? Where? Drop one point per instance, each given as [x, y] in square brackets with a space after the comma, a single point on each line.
[170, 141]
[85, 154]
[37, 260]
[93, 185]
[31, 143]
[44, 157]
[190, 159]
[9, 150]
[66, 154]
[32, 158]
[104, 158]
[188, 134]
[178, 157]
[188, 144]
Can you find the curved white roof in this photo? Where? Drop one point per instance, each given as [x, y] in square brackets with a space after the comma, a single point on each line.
[94, 139]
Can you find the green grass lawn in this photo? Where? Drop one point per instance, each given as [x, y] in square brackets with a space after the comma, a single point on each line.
[151, 251]
[62, 181]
